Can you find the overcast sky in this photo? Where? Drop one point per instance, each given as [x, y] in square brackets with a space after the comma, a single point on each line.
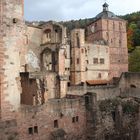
[75, 9]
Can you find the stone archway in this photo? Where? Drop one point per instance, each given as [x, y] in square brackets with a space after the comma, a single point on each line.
[49, 60]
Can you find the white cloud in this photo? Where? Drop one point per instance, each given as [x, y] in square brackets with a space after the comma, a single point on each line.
[75, 9]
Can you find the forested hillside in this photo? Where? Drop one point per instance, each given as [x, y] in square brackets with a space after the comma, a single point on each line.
[133, 30]
[133, 35]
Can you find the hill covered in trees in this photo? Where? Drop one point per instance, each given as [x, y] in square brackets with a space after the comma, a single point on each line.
[133, 30]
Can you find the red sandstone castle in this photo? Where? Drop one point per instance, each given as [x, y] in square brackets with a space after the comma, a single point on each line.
[40, 69]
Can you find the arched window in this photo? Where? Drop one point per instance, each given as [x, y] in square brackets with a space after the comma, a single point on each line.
[47, 36]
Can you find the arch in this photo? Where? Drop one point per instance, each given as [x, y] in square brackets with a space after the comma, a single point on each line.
[47, 36]
[49, 58]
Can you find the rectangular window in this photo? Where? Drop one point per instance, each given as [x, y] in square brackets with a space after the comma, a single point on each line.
[87, 61]
[36, 129]
[82, 50]
[102, 61]
[95, 60]
[77, 60]
[55, 123]
[77, 118]
[86, 51]
[99, 75]
[73, 120]
[30, 130]
[120, 42]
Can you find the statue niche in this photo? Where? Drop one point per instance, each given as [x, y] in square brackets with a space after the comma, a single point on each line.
[49, 60]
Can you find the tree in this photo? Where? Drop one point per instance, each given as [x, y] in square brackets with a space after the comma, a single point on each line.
[134, 60]
[136, 37]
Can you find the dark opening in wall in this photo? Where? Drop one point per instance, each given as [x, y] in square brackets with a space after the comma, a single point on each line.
[113, 115]
[132, 86]
[86, 100]
[95, 60]
[55, 123]
[73, 119]
[99, 75]
[78, 61]
[68, 84]
[77, 118]
[102, 61]
[36, 129]
[61, 115]
[15, 20]
[30, 130]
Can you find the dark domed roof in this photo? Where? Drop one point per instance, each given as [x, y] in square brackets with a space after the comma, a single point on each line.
[106, 13]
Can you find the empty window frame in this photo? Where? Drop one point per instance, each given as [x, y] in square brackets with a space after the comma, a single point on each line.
[77, 118]
[78, 61]
[99, 75]
[95, 60]
[73, 119]
[30, 130]
[36, 129]
[102, 61]
[55, 123]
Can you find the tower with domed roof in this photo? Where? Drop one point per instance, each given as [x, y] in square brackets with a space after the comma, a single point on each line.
[109, 29]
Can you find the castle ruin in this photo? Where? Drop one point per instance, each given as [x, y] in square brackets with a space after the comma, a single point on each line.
[56, 85]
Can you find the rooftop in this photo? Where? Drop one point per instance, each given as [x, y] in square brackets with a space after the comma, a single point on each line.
[106, 13]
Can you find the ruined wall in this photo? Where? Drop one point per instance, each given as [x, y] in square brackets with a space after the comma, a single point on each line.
[8, 130]
[53, 32]
[31, 58]
[113, 119]
[12, 29]
[58, 119]
[64, 111]
[52, 86]
[103, 92]
[29, 90]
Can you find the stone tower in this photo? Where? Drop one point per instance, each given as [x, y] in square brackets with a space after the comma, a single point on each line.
[11, 40]
[111, 30]
[77, 56]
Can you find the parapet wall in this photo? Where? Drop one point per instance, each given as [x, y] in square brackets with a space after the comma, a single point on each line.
[128, 83]
[102, 92]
